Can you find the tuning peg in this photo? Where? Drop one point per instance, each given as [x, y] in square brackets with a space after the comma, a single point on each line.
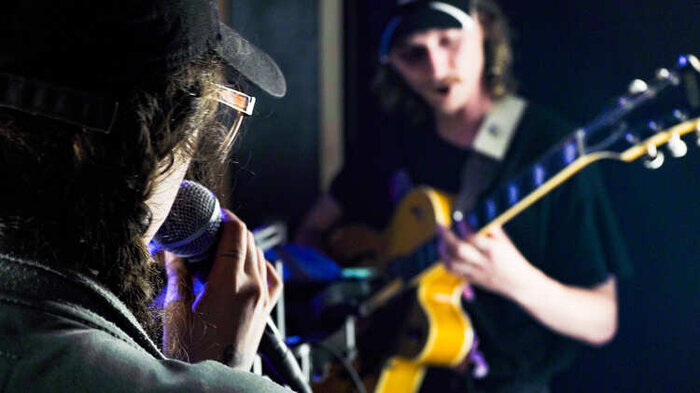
[697, 133]
[676, 146]
[637, 86]
[665, 74]
[655, 158]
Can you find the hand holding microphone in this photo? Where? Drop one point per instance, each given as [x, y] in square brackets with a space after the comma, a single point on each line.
[226, 320]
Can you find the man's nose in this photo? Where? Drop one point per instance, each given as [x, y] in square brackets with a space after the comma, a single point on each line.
[437, 64]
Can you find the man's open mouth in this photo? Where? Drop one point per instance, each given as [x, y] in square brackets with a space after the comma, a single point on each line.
[443, 90]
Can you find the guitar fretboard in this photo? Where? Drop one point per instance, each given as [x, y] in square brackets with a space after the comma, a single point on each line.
[511, 192]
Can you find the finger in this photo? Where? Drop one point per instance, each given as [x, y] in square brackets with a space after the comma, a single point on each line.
[481, 243]
[274, 284]
[468, 254]
[458, 248]
[255, 268]
[448, 243]
[465, 270]
[463, 229]
[262, 266]
[447, 250]
[446, 236]
[252, 264]
[232, 248]
[454, 251]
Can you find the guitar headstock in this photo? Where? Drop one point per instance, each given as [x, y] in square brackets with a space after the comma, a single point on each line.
[650, 116]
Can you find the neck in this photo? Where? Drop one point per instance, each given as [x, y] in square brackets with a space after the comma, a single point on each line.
[460, 127]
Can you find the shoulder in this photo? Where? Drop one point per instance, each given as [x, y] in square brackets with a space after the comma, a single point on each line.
[56, 351]
[544, 124]
[539, 129]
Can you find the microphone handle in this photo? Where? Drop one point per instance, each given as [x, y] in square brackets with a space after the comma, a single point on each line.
[282, 359]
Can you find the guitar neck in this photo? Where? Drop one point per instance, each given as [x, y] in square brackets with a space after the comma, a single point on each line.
[511, 197]
[562, 162]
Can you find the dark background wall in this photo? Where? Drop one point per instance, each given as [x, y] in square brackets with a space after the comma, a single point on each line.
[275, 174]
[573, 56]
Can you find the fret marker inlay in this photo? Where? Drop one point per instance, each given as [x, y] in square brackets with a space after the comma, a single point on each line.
[569, 153]
[513, 194]
[539, 175]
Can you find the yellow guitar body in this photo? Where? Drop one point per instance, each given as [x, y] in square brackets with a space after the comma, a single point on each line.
[449, 332]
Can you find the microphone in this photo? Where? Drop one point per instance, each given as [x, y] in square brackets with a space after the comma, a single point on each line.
[192, 231]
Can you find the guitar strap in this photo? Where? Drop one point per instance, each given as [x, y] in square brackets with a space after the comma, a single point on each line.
[489, 148]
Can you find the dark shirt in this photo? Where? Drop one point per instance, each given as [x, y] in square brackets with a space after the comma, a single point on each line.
[570, 235]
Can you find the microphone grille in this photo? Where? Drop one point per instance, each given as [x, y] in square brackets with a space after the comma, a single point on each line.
[192, 224]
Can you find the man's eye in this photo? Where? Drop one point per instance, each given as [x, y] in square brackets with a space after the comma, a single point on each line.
[412, 55]
[448, 42]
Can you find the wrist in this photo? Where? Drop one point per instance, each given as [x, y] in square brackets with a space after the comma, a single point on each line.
[235, 359]
[529, 284]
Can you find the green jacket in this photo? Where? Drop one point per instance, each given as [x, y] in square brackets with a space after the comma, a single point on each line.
[69, 334]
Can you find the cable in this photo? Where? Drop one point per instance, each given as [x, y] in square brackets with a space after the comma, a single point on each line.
[282, 359]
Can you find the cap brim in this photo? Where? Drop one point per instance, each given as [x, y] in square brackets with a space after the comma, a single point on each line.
[251, 62]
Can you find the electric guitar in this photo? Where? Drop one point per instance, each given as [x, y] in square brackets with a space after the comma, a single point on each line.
[438, 332]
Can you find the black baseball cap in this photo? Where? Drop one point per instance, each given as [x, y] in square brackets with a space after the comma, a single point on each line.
[68, 59]
[411, 16]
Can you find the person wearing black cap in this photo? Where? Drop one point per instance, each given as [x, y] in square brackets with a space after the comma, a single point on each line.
[104, 108]
[444, 76]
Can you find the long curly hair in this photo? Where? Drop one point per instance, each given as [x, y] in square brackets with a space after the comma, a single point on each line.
[75, 199]
[397, 98]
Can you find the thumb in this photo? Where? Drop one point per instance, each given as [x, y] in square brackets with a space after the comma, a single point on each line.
[497, 232]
